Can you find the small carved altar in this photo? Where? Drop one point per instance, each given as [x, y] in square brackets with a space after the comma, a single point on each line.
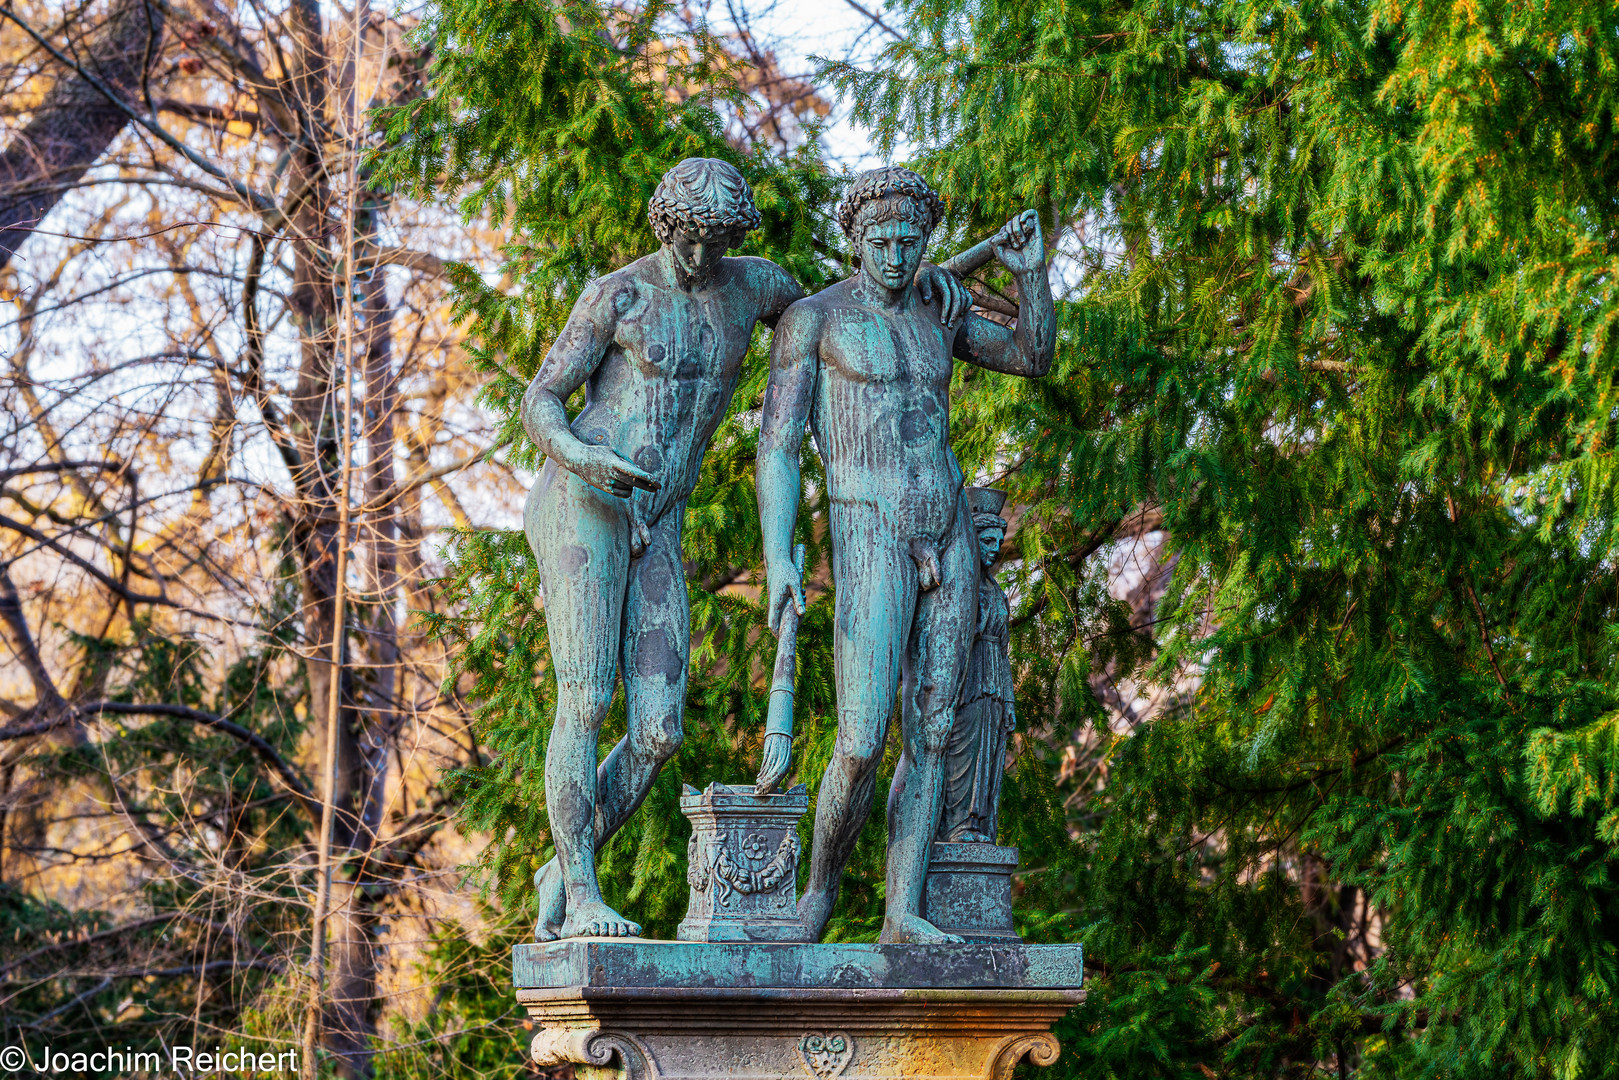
[742, 864]
[668, 1010]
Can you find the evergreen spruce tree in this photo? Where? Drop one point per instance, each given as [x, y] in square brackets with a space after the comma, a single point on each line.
[1353, 336]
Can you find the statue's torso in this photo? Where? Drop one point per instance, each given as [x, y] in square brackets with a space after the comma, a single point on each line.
[882, 412]
[668, 376]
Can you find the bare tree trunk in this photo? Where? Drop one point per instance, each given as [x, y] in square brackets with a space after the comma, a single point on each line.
[353, 996]
[346, 971]
[316, 335]
[75, 123]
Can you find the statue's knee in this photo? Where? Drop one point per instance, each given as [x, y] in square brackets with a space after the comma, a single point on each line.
[859, 757]
[658, 741]
[583, 703]
[933, 732]
[934, 742]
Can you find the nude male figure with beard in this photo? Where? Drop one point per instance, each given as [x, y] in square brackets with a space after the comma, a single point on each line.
[658, 345]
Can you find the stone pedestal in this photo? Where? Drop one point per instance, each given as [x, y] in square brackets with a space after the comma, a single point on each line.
[661, 1010]
[742, 864]
[969, 891]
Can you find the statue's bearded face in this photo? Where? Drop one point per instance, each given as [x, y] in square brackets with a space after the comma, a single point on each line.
[698, 251]
[989, 547]
[890, 252]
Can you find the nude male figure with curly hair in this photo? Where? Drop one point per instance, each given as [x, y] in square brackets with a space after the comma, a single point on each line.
[659, 346]
[867, 362]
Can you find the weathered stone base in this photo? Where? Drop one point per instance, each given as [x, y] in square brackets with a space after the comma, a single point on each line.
[969, 891]
[645, 1010]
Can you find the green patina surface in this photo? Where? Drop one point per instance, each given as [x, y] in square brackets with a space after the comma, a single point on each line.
[633, 964]
[867, 364]
[657, 347]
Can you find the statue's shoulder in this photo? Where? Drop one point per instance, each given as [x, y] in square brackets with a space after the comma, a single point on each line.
[618, 290]
[992, 595]
[830, 299]
[768, 288]
[755, 271]
[804, 319]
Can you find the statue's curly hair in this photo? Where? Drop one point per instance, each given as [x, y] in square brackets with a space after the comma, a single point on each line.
[882, 183]
[702, 193]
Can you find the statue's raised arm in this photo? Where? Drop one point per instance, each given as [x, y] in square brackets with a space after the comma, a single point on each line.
[1027, 348]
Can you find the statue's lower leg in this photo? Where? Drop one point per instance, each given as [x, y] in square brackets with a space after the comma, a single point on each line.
[552, 901]
[570, 783]
[913, 817]
[841, 810]
[622, 783]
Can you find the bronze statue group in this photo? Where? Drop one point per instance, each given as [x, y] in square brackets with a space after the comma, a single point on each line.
[866, 364]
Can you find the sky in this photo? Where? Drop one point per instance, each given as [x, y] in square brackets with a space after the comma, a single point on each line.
[832, 29]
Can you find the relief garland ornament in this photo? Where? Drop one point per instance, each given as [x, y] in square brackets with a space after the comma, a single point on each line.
[717, 866]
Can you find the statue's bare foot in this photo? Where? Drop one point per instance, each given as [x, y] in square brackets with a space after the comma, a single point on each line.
[913, 930]
[553, 902]
[596, 919]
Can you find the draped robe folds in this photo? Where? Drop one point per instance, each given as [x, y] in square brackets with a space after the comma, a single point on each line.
[975, 755]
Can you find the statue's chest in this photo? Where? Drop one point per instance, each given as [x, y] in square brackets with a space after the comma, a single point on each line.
[673, 335]
[877, 347]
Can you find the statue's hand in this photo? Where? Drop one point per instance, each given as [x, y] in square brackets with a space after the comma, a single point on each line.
[777, 758]
[1019, 245]
[786, 586]
[600, 467]
[954, 299]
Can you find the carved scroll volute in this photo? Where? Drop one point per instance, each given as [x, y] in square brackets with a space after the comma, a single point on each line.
[1040, 1047]
[593, 1047]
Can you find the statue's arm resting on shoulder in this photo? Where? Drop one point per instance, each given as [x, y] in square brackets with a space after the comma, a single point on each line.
[794, 364]
[1028, 348]
[573, 358]
[781, 292]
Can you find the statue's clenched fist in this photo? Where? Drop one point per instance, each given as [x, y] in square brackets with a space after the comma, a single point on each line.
[1019, 245]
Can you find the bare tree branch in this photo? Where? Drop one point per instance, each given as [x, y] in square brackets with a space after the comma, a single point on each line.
[875, 19]
[234, 190]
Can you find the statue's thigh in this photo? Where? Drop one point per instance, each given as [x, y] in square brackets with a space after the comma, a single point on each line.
[657, 627]
[876, 582]
[580, 540]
